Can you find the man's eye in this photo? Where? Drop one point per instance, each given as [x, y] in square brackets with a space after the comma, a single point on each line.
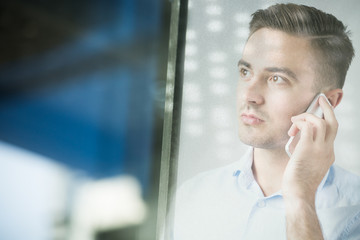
[244, 72]
[277, 79]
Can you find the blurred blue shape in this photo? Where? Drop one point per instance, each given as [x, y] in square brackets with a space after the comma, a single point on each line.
[88, 103]
[82, 109]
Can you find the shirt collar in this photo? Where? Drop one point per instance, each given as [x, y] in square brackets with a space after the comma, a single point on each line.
[325, 179]
[245, 174]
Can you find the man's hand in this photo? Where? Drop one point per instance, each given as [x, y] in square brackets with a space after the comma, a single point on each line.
[313, 155]
[309, 163]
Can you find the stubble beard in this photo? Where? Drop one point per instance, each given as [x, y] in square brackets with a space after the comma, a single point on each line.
[262, 138]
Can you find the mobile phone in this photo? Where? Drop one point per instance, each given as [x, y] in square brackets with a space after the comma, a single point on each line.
[314, 108]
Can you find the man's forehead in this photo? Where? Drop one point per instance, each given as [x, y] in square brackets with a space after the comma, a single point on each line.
[277, 40]
[274, 48]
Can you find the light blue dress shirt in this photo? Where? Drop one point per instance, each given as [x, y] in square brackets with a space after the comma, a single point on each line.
[228, 204]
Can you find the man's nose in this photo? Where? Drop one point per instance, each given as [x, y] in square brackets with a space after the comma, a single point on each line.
[253, 92]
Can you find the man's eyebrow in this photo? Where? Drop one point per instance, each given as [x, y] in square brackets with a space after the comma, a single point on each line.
[284, 70]
[244, 63]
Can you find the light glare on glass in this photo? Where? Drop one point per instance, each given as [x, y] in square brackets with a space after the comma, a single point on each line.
[214, 10]
[215, 26]
[218, 72]
[217, 57]
[190, 65]
[194, 129]
[193, 113]
[190, 34]
[242, 18]
[220, 88]
[190, 50]
[192, 92]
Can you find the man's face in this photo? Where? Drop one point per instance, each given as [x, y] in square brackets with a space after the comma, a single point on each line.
[277, 72]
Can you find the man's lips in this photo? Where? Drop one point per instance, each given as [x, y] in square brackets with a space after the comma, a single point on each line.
[251, 119]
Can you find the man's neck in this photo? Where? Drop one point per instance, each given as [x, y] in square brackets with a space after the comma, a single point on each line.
[268, 169]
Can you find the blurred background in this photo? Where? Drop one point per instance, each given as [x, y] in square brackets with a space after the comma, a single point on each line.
[82, 86]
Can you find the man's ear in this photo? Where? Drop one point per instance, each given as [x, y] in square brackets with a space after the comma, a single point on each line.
[334, 96]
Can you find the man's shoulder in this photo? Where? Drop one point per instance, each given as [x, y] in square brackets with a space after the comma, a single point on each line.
[219, 177]
[340, 200]
[345, 179]
[346, 185]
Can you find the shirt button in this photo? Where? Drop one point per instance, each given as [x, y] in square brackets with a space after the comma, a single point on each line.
[236, 173]
[261, 203]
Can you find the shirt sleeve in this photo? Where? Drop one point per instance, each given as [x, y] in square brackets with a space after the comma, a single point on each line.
[352, 229]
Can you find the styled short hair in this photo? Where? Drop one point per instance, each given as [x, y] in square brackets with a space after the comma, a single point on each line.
[328, 37]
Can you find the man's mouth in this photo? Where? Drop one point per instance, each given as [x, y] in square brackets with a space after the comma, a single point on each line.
[251, 119]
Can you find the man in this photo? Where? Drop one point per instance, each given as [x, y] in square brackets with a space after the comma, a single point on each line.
[293, 53]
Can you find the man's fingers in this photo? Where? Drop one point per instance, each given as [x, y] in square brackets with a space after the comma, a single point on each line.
[319, 125]
[293, 130]
[330, 119]
[327, 109]
[322, 129]
[306, 130]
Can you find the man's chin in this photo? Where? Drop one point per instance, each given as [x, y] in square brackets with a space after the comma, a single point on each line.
[265, 143]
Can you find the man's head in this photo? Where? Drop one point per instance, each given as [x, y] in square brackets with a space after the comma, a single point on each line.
[293, 53]
[327, 35]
